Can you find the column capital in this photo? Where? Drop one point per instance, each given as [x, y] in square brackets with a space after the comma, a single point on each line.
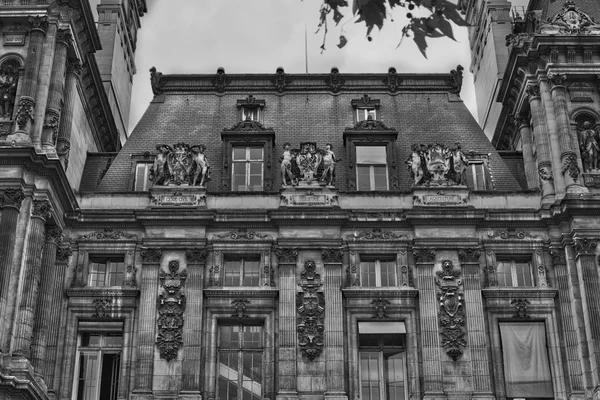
[469, 255]
[195, 255]
[585, 246]
[12, 197]
[287, 255]
[521, 120]
[533, 91]
[332, 255]
[63, 254]
[41, 209]
[151, 255]
[557, 80]
[64, 36]
[558, 256]
[39, 23]
[424, 256]
[74, 67]
[54, 234]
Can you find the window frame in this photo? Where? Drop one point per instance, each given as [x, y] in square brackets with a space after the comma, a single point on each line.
[248, 161]
[371, 167]
[242, 267]
[483, 160]
[378, 276]
[361, 105]
[248, 106]
[107, 273]
[513, 262]
[145, 158]
[147, 183]
[363, 113]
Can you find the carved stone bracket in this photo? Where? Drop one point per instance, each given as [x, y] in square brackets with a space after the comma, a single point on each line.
[585, 246]
[171, 306]
[520, 308]
[380, 305]
[451, 314]
[310, 305]
[240, 308]
[332, 255]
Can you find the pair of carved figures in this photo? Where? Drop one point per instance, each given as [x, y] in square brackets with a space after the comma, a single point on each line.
[307, 164]
[588, 142]
[436, 164]
[180, 164]
[9, 76]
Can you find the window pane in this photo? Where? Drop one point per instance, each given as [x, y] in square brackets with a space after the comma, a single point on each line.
[251, 269]
[113, 340]
[239, 183]
[252, 375]
[232, 273]
[394, 376]
[380, 177]
[109, 379]
[141, 177]
[256, 153]
[88, 377]
[116, 273]
[504, 274]
[370, 155]
[370, 112]
[252, 337]
[97, 272]
[363, 178]
[239, 168]
[239, 153]
[368, 274]
[90, 339]
[256, 168]
[388, 273]
[523, 271]
[370, 375]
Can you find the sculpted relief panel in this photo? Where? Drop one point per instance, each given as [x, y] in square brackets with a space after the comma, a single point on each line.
[180, 164]
[436, 164]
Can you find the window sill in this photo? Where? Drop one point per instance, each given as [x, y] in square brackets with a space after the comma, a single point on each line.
[383, 292]
[508, 292]
[249, 292]
[104, 291]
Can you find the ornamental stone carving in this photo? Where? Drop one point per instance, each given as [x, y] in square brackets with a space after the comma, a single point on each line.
[520, 308]
[469, 255]
[171, 306]
[108, 234]
[392, 81]
[375, 234]
[220, 81]
[423, 256]
[9, 78]
[451, 314]
[101, 307]
[63, 254]
[243, 234]
[287, 256]
[11, 197]
[334, 81]
[545, 171]
[41, 209]
[332, 256]
[557, 79]
[310, 305]
[558, 256]
[510, 233]
[195, 255]
[24, 111]
[54, 234]
[151, 255]
[155, 82]
[240, 308]
[532, 91]
[569, 165]
[40, 23]
[570, 20]
[435, 165]
[180, 164]
[585, 246]
[280, 80]
[308, 164]
[380, 306]
[589, 146]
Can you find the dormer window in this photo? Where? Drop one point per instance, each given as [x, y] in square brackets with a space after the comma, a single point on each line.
[365, 108]
[362, 114]
[250, 109]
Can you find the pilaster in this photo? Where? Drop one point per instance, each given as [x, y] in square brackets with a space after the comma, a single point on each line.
[192, 333]
[522, 124]
[334, 323]
[63, 142]
[40, 211]
[288, 341]
[430, 334]
[554, 141]
[147, 320]
[478, 342]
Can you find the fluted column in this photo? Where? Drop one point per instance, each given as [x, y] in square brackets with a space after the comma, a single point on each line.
[334, 324]
[288, 341]
[44, 305]
[147, 320]
[587, 271]
[10, 200]
[192, 333]
[27, 100]
[55, 92]
[40, 211]
[63, 143]
[544, 163]
[559, 262]
[568, 156]
[55, 313]
[554, 141]
[430, 334]
[522, 125]
[478, 338]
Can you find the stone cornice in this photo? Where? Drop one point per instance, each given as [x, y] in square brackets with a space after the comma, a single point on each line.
[368, 293]
[102, 292]
[526, 292]
[245, 293]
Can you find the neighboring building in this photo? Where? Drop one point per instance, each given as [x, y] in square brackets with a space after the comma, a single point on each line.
[294, 236]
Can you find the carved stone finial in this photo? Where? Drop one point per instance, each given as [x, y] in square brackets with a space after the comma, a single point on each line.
[11, 197]
[41, 209]
[54, 233]
[155, 82]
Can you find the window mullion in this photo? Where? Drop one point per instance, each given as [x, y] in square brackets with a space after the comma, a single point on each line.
[372, 177]
[513, 273]
[381, 376]
[377, 273]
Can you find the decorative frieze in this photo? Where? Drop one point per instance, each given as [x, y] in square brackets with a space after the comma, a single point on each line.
[108, 234]
[240, 308]
[375, 234]
[510, 233]
[171, 306]
[451, 314]
[311, 312]
[380, 306]
[243, 234]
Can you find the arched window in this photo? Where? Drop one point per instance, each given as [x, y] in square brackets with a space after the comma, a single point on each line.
[9, 77]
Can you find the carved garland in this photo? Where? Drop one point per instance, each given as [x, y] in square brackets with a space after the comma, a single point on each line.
[170, 306]
[311, 312]
[451, 313]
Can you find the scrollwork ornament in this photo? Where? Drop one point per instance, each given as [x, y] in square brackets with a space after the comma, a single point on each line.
[12, 197]
[469, 255]
[41, 209]
[423, 256]
[151, 255]
[287, 255]
[585, 246]
[54, 234]
[332, 255]
[310, 306]
[171, 307]
[451, 313]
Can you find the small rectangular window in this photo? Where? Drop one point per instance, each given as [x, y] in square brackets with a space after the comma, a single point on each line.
[371, 168]
[241, 271]
[250, 114]
[106, 270]
[363, 114]
[514, 273]
[142, 182]
[378, 272]
[477, 178]
[247, 168]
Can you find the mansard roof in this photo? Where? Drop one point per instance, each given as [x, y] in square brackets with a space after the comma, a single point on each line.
[197, 109]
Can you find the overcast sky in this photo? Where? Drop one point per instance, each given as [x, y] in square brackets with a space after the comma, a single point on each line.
[253, 36]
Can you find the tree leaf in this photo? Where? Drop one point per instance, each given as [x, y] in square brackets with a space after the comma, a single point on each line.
[424, 3]
[337, 16]
[419, 38]
[394, 3]
[343, 41]
[337, 3]
[451, 13]
[443, 25]
[373, 13]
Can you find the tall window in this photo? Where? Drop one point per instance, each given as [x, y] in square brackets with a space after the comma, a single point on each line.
[106, 270]
[247, 169]
[142, 183]
[376, 272]
[382, 364]
[525, 357]
[240, 353]
[477, 175]
[363, 114]
[98, 366]
[371, 168]
[514, 273]
[241, 270]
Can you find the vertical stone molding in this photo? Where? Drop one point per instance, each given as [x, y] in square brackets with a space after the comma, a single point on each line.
[151, 258]
[570, 167]
[40, 211]
[430, 336]
[334, 322]
[522, 126]
[587, 272]
[171, 305]
[559, 263]
[63, 142]
[25, 105]
[478, 342]
[268, 272]
[192, 334]
[286, 265]
[540, 132]
[352, 274]
[215, 278]
[491, 277]
[54, 236]
[63, 254]
[451, 312]
[55, 92]
[554, 140]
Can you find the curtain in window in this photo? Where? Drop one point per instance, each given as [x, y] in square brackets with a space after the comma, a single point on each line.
[526, 367]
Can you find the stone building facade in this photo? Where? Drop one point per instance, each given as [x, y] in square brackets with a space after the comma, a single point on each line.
[295, 236]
